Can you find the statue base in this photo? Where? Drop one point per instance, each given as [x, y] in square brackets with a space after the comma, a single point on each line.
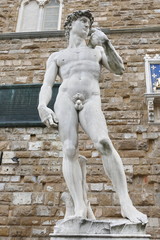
[86, 229]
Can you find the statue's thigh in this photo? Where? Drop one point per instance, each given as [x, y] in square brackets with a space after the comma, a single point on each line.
[67, 119]
[93, 121]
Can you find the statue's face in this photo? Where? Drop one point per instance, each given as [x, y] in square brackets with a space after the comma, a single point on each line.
[81, 27]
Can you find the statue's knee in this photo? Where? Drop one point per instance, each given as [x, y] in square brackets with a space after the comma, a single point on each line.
[69, 150]
[104, 146]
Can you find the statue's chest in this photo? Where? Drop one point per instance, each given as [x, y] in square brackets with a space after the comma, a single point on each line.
[76, 55]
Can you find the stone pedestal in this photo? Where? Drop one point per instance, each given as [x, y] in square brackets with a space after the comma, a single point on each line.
[110, 229]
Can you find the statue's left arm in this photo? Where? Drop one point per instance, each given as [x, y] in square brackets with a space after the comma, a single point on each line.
[110, 58]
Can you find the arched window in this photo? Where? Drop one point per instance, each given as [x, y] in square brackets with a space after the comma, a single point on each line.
[51, 15]
[39, 15]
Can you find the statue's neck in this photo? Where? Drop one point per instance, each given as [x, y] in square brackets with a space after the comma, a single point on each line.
[76, 41]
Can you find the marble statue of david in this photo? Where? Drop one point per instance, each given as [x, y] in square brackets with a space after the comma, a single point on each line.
[78, 102]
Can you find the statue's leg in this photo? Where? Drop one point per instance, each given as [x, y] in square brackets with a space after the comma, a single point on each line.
[68, 128]
[94, 124]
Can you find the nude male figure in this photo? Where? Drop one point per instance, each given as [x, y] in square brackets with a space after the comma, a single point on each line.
[78, 102]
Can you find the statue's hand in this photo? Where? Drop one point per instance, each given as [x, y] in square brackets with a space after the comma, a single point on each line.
[97, 37]
[47, 116]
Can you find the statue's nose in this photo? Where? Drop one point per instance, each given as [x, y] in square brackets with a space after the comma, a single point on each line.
[87, 25]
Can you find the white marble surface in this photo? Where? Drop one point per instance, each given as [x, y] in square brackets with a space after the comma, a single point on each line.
[79, 102]
[82, 229]
[109, 226]
[97, 237]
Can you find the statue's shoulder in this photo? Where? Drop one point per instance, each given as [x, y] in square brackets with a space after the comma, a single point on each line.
[56, 55]
[52, 57]
[99, 48]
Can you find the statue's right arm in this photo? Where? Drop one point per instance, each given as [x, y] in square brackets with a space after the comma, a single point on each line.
[47, 116]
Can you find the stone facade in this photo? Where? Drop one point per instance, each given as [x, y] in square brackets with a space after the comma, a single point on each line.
[108, 14]
[30, 198]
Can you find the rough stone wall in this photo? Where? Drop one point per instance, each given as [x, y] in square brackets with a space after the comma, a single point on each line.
[108, 14]
[30, 191]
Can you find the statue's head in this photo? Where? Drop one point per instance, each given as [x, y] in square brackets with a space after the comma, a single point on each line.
[74, 16]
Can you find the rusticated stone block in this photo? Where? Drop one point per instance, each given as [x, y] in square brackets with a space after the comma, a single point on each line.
[45, 211]
[40, 231]
[150, 135]
[34, 146]
[2, 186]
[23, 170]
[95, 169]
[104, 199]
[142, 199]
[4, 145]
[52, 198]
[143, 145]
[30, 179]
[5, 197]
[128, 145]
[38, 198]
[49, 179]
[22, 198]
[19, 145]
[132, 154]
[4, 210]
[30, 221]
[153, 179]
[4, 231]
[20, 211]
[20, 231]
[38, 170]
[153, 222]
[154, 211]
[13, 187]
[111, 211]
[3, 220]
[96, 187]
[14, 220]
[15, 179]
[142, 170]
[22, 154]
[7, 170]
[53, 170]
[156, 169]
[96, 178]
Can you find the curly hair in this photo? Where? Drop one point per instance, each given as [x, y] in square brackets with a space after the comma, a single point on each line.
[74, 16]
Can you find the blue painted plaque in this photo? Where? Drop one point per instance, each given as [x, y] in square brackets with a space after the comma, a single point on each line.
[155, 73]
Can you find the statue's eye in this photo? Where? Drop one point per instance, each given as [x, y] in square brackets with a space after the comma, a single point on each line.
[84, 20]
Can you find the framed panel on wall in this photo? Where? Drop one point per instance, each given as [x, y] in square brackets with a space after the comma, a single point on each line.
[152, 70]
[18, 105]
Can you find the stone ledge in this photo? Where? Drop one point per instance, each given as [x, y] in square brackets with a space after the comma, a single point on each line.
[100, 237]
[54, 34]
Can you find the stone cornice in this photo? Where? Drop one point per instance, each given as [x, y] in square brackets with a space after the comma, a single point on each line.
[50, 34]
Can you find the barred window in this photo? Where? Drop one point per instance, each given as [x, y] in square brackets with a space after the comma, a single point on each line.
[39, 15]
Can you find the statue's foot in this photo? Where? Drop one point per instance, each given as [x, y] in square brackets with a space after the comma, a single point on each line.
[130, 212]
